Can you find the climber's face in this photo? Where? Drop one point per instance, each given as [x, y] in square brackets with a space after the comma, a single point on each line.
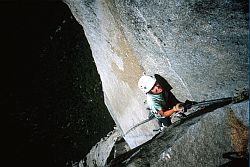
[156, 89]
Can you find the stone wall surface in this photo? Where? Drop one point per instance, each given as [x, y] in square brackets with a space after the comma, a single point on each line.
[198, 46]
[204, 141]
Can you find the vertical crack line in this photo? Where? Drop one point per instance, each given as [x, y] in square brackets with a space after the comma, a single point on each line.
[161, 49]
[181, 80]
[149, 32]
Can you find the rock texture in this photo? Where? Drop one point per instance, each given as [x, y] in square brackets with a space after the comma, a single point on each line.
[199, 46]
[204, 141]
[217, 135]
[99, 154]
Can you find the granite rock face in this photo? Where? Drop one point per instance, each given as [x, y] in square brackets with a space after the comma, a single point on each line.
[213, 139]
[198, 46]
[216, 135]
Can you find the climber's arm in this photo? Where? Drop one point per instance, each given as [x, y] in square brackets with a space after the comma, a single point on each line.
[168, 113]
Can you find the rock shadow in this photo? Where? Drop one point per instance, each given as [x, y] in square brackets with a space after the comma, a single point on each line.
[167, 87]
[208, 108]
[215, 104]
[235, 159]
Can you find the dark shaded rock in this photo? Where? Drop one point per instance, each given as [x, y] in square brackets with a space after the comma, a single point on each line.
[59, 111]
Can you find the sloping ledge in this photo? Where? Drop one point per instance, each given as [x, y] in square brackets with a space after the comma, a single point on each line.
[214, 136]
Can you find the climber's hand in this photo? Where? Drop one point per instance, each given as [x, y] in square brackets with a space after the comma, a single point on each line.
[178, 107]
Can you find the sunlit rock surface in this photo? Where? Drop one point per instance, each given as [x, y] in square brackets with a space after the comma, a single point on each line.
[200, 47]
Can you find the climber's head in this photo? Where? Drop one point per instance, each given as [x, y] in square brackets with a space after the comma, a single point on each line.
[148, 84]
[156, 89]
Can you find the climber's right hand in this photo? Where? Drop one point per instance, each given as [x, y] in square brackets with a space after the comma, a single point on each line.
[178, 107]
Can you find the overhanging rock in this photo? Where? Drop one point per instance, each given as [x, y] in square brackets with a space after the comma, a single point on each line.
[200, 47]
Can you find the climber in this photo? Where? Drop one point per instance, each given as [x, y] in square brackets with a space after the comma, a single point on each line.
[160, 100]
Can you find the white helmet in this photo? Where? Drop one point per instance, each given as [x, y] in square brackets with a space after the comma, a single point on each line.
[146, 83]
